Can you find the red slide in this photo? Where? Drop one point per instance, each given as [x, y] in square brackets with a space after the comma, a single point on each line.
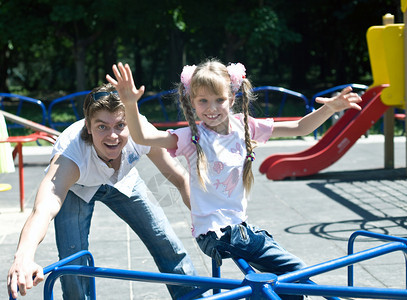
[333, 145]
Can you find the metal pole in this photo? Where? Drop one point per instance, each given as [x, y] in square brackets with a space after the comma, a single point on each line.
[388, 120]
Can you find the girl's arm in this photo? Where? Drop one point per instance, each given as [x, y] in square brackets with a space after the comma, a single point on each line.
[129, 95]
[173, 171]
[312, 121]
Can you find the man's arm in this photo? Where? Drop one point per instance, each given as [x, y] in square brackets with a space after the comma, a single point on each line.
[173, 171]
[62, 174]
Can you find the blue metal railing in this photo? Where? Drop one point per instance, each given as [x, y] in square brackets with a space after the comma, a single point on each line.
[47, 114]
[266, 92]
[358, 88]
[254, 284]
[375, 235]
[328, 92]
[160, 97]
[285, 93]
[68, 98]
[21, 101]
[67, 260]
[71, 98]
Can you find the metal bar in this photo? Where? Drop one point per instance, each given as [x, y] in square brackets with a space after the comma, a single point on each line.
[243, 266]
[270, 293]
[237, 293]
[328, 298]
[67, 260]
[340, 291]
[341, 262]
[174, 279]
[379, 236]
[19, 148]
[215, 274]
[251, 285]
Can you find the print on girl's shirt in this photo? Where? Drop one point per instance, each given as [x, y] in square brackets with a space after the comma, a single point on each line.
[228, 170]
[230, 183]
[237, 150]
[218, 167]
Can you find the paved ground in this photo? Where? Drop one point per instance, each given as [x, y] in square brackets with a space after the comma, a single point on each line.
[312, 217]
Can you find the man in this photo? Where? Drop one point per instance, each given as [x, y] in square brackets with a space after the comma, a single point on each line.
[93, 160]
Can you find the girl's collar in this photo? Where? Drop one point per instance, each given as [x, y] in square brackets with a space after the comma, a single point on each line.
[221, 134]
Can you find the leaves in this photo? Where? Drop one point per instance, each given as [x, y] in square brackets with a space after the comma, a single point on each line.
[49, 44]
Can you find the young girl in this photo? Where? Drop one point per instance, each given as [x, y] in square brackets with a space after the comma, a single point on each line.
[219, 151]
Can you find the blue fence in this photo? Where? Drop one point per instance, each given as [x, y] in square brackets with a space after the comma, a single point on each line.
[23, 101]
[71, 99]
[273, 103]
[278, 96]
[358, 88]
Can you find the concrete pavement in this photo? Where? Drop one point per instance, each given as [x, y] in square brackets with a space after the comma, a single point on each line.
[312, 217]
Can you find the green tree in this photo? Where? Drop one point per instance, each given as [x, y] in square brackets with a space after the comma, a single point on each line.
[70, 45]
[23, 24]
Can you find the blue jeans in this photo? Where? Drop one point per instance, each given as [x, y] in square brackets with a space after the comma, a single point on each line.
[254, 245]
[147, 220]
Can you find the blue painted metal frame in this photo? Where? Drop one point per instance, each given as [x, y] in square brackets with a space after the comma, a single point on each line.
[330, 91]
[254, 284]
[375, 235]
[338, 88]
[71, 99]
[286, 92]
[159, 97]
[62, 262]
[23, 99]
[266, 89]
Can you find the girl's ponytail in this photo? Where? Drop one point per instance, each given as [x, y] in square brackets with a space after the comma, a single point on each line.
[247, 96]
[201, 161]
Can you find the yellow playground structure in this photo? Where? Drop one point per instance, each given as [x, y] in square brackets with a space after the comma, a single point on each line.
[386, 45]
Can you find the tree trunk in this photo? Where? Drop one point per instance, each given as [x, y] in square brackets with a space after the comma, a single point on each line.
[176, 55]
[4, 62]
[80, 59]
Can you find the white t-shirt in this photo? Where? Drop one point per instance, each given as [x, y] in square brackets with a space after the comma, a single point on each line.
[93, 171]
[225, 202]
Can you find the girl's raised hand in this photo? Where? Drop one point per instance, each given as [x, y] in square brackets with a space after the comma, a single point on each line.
[124, 84]
[345, 99]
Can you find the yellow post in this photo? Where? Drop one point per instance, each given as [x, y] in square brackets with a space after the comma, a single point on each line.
[388, 120]
[403, 8]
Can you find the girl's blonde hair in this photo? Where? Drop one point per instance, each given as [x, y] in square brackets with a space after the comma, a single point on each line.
[213, 75]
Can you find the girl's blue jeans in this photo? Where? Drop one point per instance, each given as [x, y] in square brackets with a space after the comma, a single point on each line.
[147, 220]
[254, 245]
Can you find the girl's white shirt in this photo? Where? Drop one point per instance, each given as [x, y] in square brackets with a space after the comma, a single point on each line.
[225, 201]
[93, 171]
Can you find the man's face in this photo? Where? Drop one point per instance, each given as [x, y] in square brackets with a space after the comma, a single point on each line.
[109, 133]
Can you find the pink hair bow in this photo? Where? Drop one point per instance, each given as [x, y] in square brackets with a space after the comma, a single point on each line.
[186, 76]
[237, 73]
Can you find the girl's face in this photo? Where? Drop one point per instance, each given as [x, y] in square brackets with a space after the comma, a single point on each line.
[109, 133]
[213, 109]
